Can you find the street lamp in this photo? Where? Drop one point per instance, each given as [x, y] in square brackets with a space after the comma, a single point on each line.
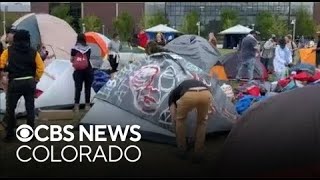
[117, 9]
[83, 28]
[293, 22]
[4, 18]
[103, 29]
[198, 24]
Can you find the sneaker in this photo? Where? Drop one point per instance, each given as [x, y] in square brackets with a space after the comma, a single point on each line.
[87, 107]
[76, 108]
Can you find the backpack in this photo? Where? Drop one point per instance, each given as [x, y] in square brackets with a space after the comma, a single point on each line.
[80, 61]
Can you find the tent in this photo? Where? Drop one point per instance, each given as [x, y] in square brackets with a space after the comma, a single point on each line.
[276, 137]
[234, 35]
[196, 50]
[139, 92]
[164, 29]
[308, 56]
[56, 34]
[55, 88]
[231, 63]
[99, 48]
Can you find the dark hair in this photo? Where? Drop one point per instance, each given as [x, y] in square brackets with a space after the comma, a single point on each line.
[22, 36]
[115, 35]
[253, 32]
[282, 41]
[81, 39]
[11, 29]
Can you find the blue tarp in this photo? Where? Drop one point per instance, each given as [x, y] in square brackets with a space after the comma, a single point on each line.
[100, 78]
[246, 101]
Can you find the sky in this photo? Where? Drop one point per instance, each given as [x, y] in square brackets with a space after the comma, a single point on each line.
[16, 6]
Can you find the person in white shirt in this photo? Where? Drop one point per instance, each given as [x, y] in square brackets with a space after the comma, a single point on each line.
[282, 59]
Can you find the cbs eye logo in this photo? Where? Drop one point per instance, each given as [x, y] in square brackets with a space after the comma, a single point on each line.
[24, 133]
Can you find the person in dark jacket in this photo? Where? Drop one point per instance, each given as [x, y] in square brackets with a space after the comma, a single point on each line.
[25, 68]
[84, 76]
[190, 94]
[317, 50]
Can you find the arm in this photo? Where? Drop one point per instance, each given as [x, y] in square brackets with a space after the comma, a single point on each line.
[173, 112]
[39, 67]
[73, 53]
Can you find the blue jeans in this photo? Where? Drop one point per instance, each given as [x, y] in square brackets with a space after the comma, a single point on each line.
[249, 68]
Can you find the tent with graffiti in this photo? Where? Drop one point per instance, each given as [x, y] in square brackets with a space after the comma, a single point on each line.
[196, 50]
[231, 62]
[54, 33]
[138, 94]
[55, 88]
[99, 47]
[277, 137]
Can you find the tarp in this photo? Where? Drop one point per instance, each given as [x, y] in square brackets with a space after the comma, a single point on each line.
[56, 87]
[231, 62]
[238, 29]
[308, 56]
[161, 28]
[56, 34]
[275, 137]
[196, 50]
[138, 94]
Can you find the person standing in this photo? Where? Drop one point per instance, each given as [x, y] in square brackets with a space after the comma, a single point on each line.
[25, 68]
[282, 59]
[160, 39]
[83, 73]
[291, 45]
[248, 52]
[190, 94]
[317, 50]
[268, 51]
[114, 49]
[212, 40]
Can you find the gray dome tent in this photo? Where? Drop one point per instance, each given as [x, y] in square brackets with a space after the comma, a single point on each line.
[139, 92]
[196, 50]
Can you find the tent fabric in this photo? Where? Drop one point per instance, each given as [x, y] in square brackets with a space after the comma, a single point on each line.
[238, 29]
[307, 56]
[56, 87]
[138, 94]
[161, 28]
[231, 63]
[100, 78]
[196, 50]
[54, 33]
[218, 72]
[274, 136]
[94, 38]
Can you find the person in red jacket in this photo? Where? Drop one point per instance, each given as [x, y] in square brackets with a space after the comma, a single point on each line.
[143, 38]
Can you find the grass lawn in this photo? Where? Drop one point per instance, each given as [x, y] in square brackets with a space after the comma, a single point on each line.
[226, 51]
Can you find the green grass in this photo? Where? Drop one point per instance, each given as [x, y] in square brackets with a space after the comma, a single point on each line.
[226, 51]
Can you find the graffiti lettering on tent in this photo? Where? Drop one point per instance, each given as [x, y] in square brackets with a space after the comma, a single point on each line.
[150, 87]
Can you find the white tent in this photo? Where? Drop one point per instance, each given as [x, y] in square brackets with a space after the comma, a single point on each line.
[57, 86]
[238, 29]
[161, 28]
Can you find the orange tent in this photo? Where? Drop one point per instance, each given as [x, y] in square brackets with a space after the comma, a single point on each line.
[98, 43]
[219, 72]
[308, 56]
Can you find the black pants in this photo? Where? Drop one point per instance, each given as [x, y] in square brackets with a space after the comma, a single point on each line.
[113, 63]
[265, 62]
[80, 77]
[16, 89]
[317, 59]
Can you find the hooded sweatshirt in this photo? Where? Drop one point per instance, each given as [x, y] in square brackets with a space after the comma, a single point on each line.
[82, 49]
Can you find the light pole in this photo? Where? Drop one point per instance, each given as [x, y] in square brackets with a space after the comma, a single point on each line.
[4, 18]
[198, 24]
[82, 10]
[117, 9]
[293, 22]
[103, 29]
[83, 28]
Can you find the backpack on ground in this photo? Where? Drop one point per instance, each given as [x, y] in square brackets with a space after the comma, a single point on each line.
[80, 61]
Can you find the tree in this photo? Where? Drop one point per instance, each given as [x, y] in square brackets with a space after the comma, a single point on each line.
[10, 19]
[279, 27]
[264, 22]
[305, 26]
[92, 23]
[124, 25]
[229, 18]
[155, 19]
[189, 25]
[62, 11]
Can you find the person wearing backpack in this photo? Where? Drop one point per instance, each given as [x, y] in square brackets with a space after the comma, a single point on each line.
[83, 73]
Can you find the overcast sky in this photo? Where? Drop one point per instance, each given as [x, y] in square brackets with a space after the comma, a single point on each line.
[16, 6]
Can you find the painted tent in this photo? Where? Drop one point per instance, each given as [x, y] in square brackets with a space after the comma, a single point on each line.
[56, 34]
[55, 88]
[139, 92]
[196, 50]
